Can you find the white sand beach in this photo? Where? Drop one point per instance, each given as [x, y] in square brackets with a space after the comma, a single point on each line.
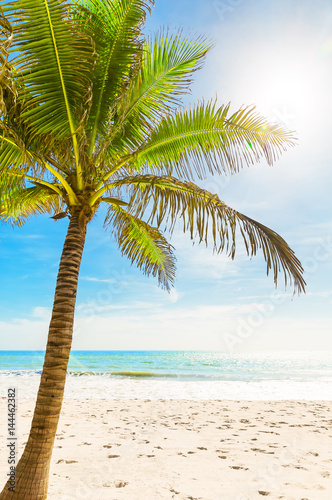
[187, 450]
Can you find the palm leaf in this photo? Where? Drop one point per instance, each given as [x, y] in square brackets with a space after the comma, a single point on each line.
[21, 203]
[116, 30]
[13, 155]
[164, 77]
[55, 62]
[167, 199]
[7, 86]
[143, 245]
[207, 140]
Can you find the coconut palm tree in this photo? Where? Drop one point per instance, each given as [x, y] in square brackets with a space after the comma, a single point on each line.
[92, 114]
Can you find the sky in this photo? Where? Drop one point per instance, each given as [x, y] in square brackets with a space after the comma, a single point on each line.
[276, 54]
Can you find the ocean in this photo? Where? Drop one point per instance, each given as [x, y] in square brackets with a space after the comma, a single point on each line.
[196, 375]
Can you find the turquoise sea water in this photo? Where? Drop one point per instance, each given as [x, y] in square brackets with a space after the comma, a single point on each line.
[183, 365]
[184, 374]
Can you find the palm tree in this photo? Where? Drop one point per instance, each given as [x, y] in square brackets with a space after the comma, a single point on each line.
[91, 115]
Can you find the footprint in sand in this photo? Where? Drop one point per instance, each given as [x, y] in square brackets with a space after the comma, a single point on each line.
[67, 461]
[120, 484]
[262, 451]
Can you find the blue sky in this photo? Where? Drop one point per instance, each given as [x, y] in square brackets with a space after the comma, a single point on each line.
[276, 54]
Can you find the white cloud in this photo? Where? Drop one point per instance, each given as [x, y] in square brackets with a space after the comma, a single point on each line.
[255, 326]
[199, 261]
[236, 327]
[43, 313]
[24, 334]
[93, 307]
[174, 296]
[97, 280]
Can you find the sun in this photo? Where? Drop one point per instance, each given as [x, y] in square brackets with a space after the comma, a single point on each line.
[290, 88]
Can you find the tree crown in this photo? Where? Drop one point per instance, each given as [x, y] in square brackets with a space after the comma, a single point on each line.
[92, 112]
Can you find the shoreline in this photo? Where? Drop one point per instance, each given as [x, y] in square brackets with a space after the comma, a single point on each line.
[185, 449]
[113, 388]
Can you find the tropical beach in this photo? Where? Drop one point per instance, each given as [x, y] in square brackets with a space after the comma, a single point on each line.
[182, 449]
[193, 425]
[138, 362]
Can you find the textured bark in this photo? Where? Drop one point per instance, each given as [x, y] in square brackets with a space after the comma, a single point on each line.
[32, 471]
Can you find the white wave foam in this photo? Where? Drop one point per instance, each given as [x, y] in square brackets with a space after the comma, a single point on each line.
[100, 387]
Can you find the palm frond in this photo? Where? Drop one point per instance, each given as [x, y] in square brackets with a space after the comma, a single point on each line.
[13, 155]
[204, 215]
[7, 86]
[116, 30]
[143, 245]
[55, 61]
[205, 139]
[20, 203]
[10, 182]
[165, 76]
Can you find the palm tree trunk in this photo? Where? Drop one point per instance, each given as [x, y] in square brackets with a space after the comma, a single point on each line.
[32, 471]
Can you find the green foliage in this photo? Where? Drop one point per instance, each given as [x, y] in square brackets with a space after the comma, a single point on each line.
[142, 244]
[205, 216]
[7, 89]
[54, 62]
[23, 203]
[206, 140]
[164, 76]
[92, 112]
[115, 28]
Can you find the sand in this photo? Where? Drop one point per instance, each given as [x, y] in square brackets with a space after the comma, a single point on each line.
[178, 449]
